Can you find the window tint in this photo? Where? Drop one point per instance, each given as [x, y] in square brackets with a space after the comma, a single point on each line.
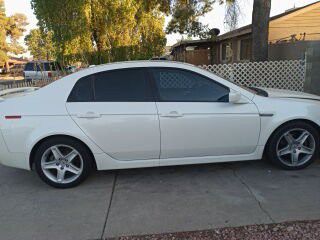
[31, 66]
[175, 85]
[50, 66]
[82, 91]
[42, 66]
[125, 85]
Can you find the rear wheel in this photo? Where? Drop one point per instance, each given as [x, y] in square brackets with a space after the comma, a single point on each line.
[63, 162]
[294, 146]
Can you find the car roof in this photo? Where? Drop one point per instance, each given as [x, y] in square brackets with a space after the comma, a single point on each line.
[139, 63]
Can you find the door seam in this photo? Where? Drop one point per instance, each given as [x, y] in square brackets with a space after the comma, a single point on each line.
[160, 134]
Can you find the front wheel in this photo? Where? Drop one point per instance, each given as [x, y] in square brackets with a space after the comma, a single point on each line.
[63, 162]
[294, 146]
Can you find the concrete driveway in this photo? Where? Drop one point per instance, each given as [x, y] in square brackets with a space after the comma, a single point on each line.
[142, 201]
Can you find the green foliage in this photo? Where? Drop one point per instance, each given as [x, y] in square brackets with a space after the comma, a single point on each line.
[40, 44]
[11, 29]
[185, 16]
[99, 31]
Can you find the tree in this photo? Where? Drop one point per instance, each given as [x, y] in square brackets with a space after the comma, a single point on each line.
[232, 14]
[109, 30]
[260, 29]
[3, 34]
[185, 17]
[11, 29]
[40, 44]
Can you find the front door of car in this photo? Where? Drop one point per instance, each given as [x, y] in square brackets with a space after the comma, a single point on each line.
[197, 120]
[116, 110]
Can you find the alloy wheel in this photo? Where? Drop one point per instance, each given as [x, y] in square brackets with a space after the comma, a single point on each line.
[62, 164]
[296, 147]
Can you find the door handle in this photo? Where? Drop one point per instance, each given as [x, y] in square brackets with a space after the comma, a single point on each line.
[89, 115]
[173, 114]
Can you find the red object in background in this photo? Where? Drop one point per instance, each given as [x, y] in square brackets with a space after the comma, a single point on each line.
[12, 117]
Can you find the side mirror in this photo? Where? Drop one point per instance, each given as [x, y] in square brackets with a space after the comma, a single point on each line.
[236, 97]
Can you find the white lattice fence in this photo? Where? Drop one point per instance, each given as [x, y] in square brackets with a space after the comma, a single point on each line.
[276, 74]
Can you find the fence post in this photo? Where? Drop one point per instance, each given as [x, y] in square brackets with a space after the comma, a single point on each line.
[312, 83]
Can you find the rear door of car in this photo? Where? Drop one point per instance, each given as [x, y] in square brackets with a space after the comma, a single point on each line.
[117, 111]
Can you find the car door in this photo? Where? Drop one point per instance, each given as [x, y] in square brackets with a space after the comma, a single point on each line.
[196, 118]
[116, 110]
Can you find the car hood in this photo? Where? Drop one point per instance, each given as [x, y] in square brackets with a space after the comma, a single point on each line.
[280, 93]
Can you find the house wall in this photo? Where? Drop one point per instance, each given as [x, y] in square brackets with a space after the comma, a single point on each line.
[235, 41]
[291, 51]
[312, 83]
[198, 57]
[201, 56]
[305, 21]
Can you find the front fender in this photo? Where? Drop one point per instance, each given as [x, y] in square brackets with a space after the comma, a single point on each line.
[276, 112]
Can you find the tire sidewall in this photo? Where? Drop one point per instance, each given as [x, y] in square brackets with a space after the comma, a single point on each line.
[272, 145]
[86, 156]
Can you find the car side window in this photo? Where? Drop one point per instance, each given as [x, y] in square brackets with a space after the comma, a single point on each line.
[82, 91]
[124, 85]
[178, 85]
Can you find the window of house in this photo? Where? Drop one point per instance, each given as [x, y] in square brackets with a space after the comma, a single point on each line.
[245, 49]
[226, 52]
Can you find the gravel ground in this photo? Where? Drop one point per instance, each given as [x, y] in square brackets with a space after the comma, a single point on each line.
[302, 230]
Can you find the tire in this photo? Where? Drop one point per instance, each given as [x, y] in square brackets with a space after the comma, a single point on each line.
[63, 162]
[294, 146]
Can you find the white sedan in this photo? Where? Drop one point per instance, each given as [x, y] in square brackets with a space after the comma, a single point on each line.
[148, 114]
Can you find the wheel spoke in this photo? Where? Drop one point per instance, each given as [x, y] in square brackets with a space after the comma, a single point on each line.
[71, 156]
[303, 137]
[60, 175]
[50, 165]
[56, 152]
[289, 137]
[284, 151]
[73, 169]
[306, 150]
[295, 158]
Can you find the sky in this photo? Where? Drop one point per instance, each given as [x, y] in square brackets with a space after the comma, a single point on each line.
[215, 18]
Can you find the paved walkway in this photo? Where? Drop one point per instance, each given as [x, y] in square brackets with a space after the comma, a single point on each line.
[170, 199]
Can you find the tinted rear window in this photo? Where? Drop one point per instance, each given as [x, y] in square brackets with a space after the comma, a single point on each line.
[82, 91]
[125, 85]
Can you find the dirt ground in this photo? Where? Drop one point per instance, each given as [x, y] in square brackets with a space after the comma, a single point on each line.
[306, 230]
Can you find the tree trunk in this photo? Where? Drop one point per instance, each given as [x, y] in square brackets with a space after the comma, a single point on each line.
[7, 66]
[260, 29]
